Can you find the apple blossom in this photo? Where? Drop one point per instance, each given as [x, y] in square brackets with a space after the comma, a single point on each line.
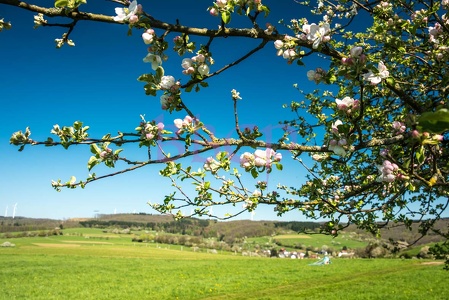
[289, 54]
[213, 12]
[387, 170]
[257, 193]
[399, 127]
[235, 95]
[318, 34]
[277, 157]
[186, 63]
[335, 126]
[246, 160]
[320, 157]
[165, 100]
[200, 58]
[221, 3]
[347, 104]
[278, 44]
[316, 75]
[203, 69]
[167, 82]
[337, 147]
[356, 52]
[211, 165]
[39, 20]
[123, 14]
[151, 131]
[154, 59]
[148, 36]
[434, 32]
[382, 74]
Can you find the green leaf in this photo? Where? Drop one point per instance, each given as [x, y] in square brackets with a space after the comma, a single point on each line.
[434, 122]
[159, 73]
[266, 10]
[94, 149]
[254, 173]
[226, 17]
[146, 78]
[61, 3]
[420, 157]
[93, 161]
[279, 166]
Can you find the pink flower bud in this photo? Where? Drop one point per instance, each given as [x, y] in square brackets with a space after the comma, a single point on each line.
[213, 12]
[133, 19]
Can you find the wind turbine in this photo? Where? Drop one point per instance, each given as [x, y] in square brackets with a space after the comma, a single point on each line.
[14, 211]
[6, 211]
[252, 215]
[211, 212]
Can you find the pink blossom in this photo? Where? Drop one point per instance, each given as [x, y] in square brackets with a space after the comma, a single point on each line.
[356, 52]
[387, 170]
[221, 3]
[178, 123]
[133, 19]
[346, 103]
[399, 127]
[148, 36]
[278, 44]
[335, 126]
[213, 12]
[289, 54]
[278, 157]
[246, 160]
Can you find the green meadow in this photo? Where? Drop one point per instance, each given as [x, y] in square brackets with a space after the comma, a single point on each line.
[95, 265]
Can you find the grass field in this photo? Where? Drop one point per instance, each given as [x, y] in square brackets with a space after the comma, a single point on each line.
[76, 267]
[314, 241]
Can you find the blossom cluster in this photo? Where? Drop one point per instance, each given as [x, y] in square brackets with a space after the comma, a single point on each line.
[316, 34]
[347, 104]
[211, 165]
[39, 20]
[106, 154]
[387, 171]
[260, 158]
[286, 48]
[316, 75]
[198, 63]
[356, 57]
[151, 131]
[399, 127]
[188, 124]
[221, 5]
[130, 13]
[339, 143]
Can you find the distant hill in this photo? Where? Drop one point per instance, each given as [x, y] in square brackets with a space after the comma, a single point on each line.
[228, 231]
[9, 224]
[398, 232]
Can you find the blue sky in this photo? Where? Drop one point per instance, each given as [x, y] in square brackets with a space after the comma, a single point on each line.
[95, 82]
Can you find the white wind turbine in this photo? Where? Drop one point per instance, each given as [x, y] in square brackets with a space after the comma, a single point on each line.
[14, 211]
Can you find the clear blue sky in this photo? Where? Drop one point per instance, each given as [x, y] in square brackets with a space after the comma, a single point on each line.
[95, 82]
